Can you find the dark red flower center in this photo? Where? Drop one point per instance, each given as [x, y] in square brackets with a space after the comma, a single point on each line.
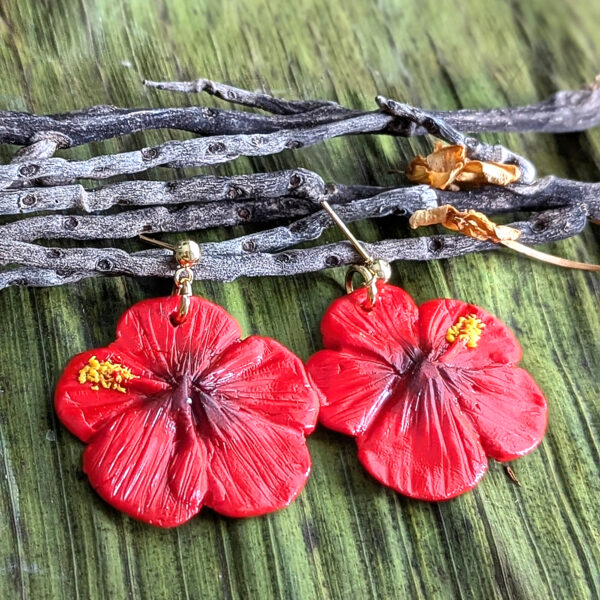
[422, 372]
[188, 395]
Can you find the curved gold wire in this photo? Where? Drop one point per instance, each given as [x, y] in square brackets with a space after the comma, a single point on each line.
[184, 276]
[369, 281]
[373, 270]
[183, 310]
[187, 253]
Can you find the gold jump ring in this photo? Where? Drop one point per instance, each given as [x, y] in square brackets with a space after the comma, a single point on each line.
[369, 281]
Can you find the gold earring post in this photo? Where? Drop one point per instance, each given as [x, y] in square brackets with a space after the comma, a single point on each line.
[157, 242]
[187, 253]
[336, 219]
[373, 270]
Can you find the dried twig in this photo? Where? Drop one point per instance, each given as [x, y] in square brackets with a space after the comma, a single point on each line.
[211, 151]
[406, 120]
[562, 112]
[295, 183]
[261, 197]
[129, 224]
[258, 197]
[53, 266]
[441, 129]
[572, 110]
[511, 475]
[235, 95]
[479, 226]
[99, 123]
[197, 152]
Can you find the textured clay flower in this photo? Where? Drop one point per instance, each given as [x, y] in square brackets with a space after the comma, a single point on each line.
[429, 392]
[177, 418]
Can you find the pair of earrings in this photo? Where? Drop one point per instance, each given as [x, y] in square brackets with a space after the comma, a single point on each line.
[179, 412]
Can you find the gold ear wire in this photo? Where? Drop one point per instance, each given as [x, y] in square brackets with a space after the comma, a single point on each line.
[187, 253]
[157, 242]
[336, 219]
[373, 270]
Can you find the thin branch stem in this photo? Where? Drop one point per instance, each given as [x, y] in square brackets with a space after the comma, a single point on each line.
[293, 183]
[235, 95]
[258, 198]
[198, 152]
[565, 111]
[439, 128]
[562, 112]
[220, 149]
[53, 266]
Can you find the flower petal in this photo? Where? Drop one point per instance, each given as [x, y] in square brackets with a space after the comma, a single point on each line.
[84, 410]
[497, 344]
[388, 330]
[256, 467]
[145, 332]
[421, 445]
[262, 377]
[354, 387]
[150, 464]
[506, 406]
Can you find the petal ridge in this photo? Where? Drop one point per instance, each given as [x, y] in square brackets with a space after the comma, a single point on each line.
[422, 446]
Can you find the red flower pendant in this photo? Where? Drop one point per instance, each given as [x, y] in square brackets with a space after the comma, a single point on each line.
[429, 392]
[180, 417]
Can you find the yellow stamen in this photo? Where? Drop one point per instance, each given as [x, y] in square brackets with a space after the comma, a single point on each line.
[109, 375]
[467, 329]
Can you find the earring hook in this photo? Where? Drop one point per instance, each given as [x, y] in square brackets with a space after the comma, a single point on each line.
[336, 219]
[372, 271]
[187, 253]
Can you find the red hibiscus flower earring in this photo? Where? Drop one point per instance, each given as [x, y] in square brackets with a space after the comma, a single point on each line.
[180, 413]
[429, 392]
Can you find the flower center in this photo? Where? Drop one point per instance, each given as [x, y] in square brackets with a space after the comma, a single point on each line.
[467, 329]
[105, 374]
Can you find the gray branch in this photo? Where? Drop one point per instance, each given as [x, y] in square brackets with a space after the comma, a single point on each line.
[220, 149]
[441, 129]
[229, 93]
[294, 183]
[129, 224]
[198, 152]
[53, 266]
[259, 198]
[565, 111]
[99, 123]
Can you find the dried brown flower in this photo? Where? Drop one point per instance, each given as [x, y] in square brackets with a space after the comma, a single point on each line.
[476, 225]
[470, 222]
[448, 167]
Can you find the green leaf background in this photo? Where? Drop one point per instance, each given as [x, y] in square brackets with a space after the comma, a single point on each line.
[346, 536]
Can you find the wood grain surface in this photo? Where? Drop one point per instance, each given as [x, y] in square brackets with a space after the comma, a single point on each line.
[346, 536]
